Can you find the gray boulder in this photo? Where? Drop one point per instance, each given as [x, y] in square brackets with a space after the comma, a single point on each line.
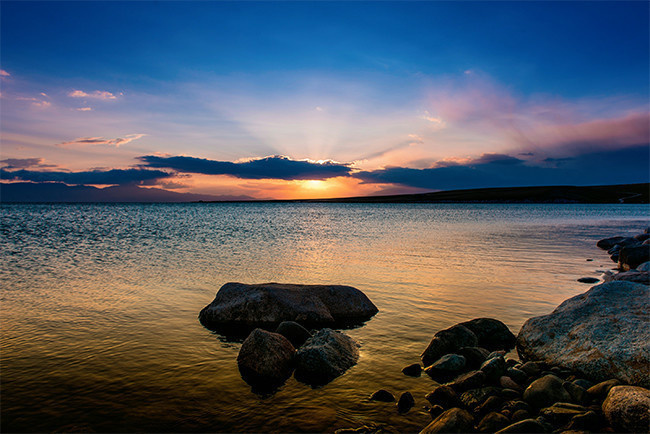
[632, 256]
[265, 359]
[601, 334]
[325, 356]
[628, 408]
[644, 267]
[447, 341]
[241, 306]
[633, 276]
[445, 367]
[454, 420]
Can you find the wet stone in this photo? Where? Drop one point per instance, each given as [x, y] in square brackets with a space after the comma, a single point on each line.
[414, 370]
[383, 396]
[492, 422]
[405, 403]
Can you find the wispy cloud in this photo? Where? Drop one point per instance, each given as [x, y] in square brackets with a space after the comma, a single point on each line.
[4, 73]
[24, 163]
[84, 109]
[97, 94]
[82, 141]
[273, 167]
[36, 102]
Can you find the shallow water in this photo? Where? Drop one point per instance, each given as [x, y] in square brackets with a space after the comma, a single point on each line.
[100, 301]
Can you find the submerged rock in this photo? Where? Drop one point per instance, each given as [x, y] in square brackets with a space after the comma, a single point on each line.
[265, 359]
[414, 370]
[601, 334]
[628, 408]
[239, 306]
[405, 403]
[608, 243]
[325, 356]
[588, 280]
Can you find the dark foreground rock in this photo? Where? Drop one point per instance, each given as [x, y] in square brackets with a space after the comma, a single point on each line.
[628, 408]
[265, 359]
[239, 306]
[602, 334]
[485, 333]
[454, 420]
[293, 331]
[632, 256]
[325, 356]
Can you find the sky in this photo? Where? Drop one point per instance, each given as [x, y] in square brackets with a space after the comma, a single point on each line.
[324, 99]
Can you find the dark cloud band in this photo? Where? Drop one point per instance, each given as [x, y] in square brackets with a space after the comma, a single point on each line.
[94, 177]
[275, 167]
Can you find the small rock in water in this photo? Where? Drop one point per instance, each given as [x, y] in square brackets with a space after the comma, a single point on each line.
[444, 396]
[293, 331]
[414, 370]
[588, 280]
[446, 366]
[325, 356]
[265, 359]
[524, 426]
[447, 341]
[493, 422]
[546, 391]
[628, 408]
[452, 420]
[405, 403]
[600, 390]
[382, 395]
[494, 368]
[474, 356]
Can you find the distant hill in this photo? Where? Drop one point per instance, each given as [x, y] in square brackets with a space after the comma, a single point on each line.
[626, 193]
[59, 192]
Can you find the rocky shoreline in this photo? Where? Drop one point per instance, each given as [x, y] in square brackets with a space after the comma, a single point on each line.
[585, 367]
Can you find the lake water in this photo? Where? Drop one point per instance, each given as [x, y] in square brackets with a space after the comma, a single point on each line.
[100, 302]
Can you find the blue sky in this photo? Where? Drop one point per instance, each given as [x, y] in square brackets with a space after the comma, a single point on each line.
[373, 86]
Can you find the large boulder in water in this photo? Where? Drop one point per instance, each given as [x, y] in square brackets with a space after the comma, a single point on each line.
[325, 356]
[265, 359]
[602, 334]
[238, 307]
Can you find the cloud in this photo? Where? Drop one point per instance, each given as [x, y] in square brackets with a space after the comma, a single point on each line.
[98, 94]
[273, 167]
[84, 109]
[619, 166]
[103, 141]
[24, 163]
[39, 103]
[93, 177]
[4, 73]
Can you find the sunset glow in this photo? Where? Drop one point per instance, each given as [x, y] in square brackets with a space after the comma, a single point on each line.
[308, 115]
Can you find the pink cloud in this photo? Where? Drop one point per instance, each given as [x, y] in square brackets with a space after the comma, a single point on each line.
[84, 109]
[83, 141]
[98, 94]
[4, 73]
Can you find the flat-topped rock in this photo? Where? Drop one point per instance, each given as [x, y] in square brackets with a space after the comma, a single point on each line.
[239, 307]
[602, 334]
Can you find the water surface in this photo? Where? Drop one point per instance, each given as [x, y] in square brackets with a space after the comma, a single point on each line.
[100, 302]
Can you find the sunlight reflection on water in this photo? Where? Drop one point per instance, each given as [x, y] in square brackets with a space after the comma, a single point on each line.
[100, 302]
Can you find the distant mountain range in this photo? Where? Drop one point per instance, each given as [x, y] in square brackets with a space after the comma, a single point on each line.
[58, 192]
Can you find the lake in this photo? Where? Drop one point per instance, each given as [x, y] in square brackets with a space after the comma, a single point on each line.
[100, 302]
